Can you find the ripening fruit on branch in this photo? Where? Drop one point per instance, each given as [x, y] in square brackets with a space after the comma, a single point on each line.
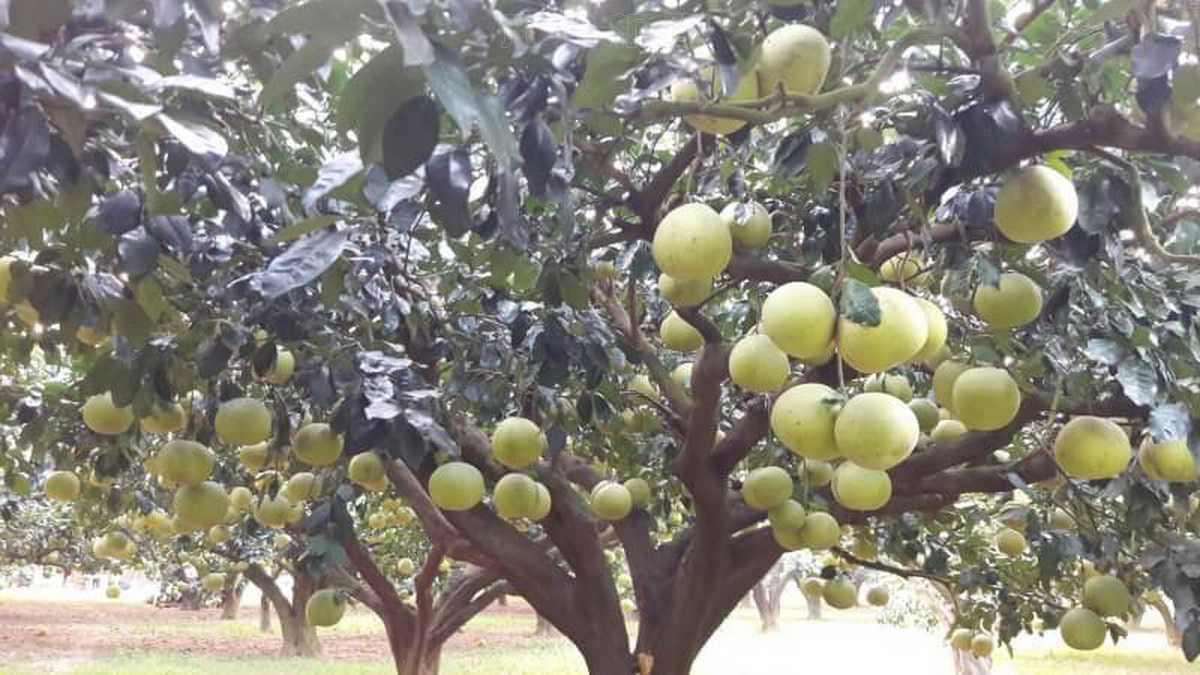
[682, 377]
[544, 503]
[317, 444]
[1092, 448]
[102, 416]
[982, 646]
[789, 515]
[639, 491]
[301, 487]
[1168, 460]
[405, 567]
[612, 502]
[820, 531]
[186, 462]
[243, 421]
[366, 468]
[817, 473]
[456, 486]
[749, 224]
[986, 399]
[944, 377]
[1017, 301]
[901, 334]
[878, 596]
[861, 489]
[202, 505]
[961, 638]
[681, 293]
[213, 582]
[1036, 204]
[799, 318]
[686, 90]
[840, 593]
[692, 242]
[947, 430]
[905, 269]
[255, 457]
[1107, 595]
[1082, 629]
[795, 56]
[272, 512]
[325, 607]
[62, 486]
[679, 335]
[935, 321]
[165, 419]
[802, 418]
[766, 488]
[112, 592]
[515, 496]
[876, 431]
[281, 371]
[894, 385]
[926, 412]
[757, 365]
[517, 442]
[1010, 542]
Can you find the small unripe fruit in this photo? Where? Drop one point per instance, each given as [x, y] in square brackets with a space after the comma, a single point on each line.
[62, 486]
[281, 371]
[1082, 629]
[820, 531]
[1010, 542]
[301, 487]
[612, 502]
[679, 335]
[272, 512]
[749, 224]
[1016, 302]
[165, 420]
[877, 596]
[789, 515]
[688, 91]
[1036, 204]
[684, 293]
[517, 442]
[861, 489]
[757, 365]
[944, 377]
[325, 608]
[926, 412]
[456, 486]
[840, 594]
[317, 444]
[982, 646]
[366, 468]
[515, 496]
[986, 399]
[935, 321]
[817, 473]
[905, 269]
[1092, 448]
[1107, 595]
[1169, 461]
[894, 385]
[766, 488]
[639, 491]
[799, 318]
[947, 431]
[544, 503]
[961, 638]
[692, 242]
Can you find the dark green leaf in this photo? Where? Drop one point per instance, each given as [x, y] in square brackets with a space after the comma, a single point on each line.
[409, 136]
[1138, 380]
[859, 304]
[302, 263]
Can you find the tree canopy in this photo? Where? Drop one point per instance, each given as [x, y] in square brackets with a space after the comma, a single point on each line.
[657, 231]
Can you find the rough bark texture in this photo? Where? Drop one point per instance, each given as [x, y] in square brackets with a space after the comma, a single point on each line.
[231, 600]
[299, 639]
[264, 614]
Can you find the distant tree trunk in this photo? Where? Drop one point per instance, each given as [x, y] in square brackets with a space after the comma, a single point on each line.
[189, 598]
[264, 614]
[1174, 637]
[966, 663]
[767, 595]
[812, 602]
[299, 638]
[231, 599]
[544, 627]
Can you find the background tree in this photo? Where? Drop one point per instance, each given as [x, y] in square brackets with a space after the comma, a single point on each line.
[411, 220]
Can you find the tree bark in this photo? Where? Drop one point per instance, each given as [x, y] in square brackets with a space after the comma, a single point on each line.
[299, 638]
[1174, 637]
[264, 614]
[231, 600]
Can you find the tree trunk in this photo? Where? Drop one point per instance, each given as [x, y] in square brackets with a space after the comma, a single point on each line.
[264, 614]
[813, 602]
[1174, 637]
[189, 599]
[231, 601]
[768, 612]
[544, 627]
[299, 638]
[966, 663]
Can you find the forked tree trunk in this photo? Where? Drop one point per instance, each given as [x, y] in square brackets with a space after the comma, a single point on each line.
[768, 596]
[264, 614]
[299, 639]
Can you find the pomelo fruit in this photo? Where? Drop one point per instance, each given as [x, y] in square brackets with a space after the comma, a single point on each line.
[1092, 448]
[799, 318]
[456, 486]
[986, 399]
[517, 442]
[1036, 204]
[692, 242]
[757, 365]
[803, 417]
[900, 335]
[876, 431]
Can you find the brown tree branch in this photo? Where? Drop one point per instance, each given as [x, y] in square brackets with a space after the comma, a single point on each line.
[902, 572]
[390, 601]
[981, 47]
[436, 526]
[1037, 466]
[423, 586]
[622, 322]
[749, 430]
[1024, 21]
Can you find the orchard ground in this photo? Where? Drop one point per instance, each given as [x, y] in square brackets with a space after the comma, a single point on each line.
[58, 630]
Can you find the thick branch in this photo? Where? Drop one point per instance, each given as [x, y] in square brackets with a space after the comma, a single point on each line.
[423, 585]
[375, 579]
[748, 431]
[629, 331]
[437, 528]
[1141, 221]
[979, 44]
[1036, 467]
[266, 584]
[902, 572]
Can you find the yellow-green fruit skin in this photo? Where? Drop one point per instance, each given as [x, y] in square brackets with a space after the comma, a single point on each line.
[935, 322]
[517, 442]
[515, 496]
[1168, 460]
[1092, 448]
[317, 444]
[456, 486]
[799, 317]
[820, 531]
[5, 278]
[366, 468]
[986, 399]
[789, 515]
[901, 334]
[243, 421]
[840, 594]
[692, 242]
[639, 491]
[300, 487]
[904, 269]
[926, 412]
[186, 462]
[947, 430]
[861, 489]
[944, 377]
[803, 417]
[282, 369]
[749, 224]
[612, 502]
[544, 503]
[1082, 629]
[894, 385]
[1010, 542]
[757, 365]
[272, 512]
[961, 638]
[981, 646]
[1017, 301]
[688, 91]
[684, 293]
[112, 592]
[165, 420]
[679, 335]
[878, 596]
[202, 505]
[767, 487]
[1036, 204]
[817, 473]
[796, 56]
[103, 417]
[325, 608]
[62, 486]
[1107, 595]
[876, 431]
